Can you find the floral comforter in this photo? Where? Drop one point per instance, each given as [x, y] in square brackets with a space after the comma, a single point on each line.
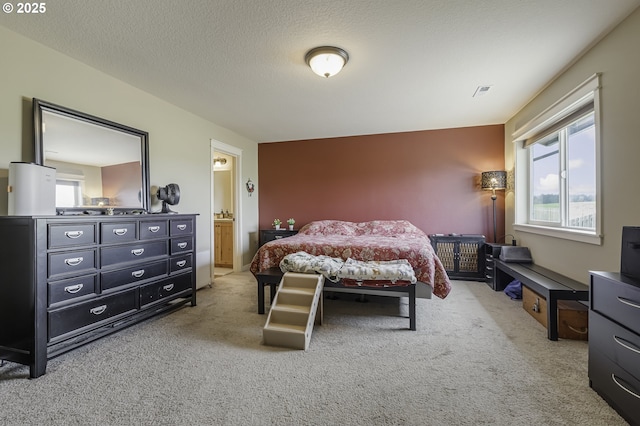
[376, 240]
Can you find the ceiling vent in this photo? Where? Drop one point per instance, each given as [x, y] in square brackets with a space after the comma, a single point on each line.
[481, 90]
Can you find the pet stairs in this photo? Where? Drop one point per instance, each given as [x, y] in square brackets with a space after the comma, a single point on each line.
[293, 311]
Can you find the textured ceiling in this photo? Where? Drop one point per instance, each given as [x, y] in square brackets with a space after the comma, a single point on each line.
[414, 64]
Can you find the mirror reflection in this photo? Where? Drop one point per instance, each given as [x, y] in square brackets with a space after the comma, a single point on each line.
[98, 164]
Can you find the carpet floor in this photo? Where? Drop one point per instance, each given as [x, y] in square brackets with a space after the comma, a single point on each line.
[476, 359]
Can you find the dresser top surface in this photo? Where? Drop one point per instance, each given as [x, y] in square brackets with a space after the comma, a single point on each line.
[617, 276]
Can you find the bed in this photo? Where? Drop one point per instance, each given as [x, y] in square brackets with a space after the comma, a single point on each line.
[380, 240]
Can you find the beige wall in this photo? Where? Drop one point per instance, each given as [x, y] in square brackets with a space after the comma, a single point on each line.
[179, 142]
[616, 57]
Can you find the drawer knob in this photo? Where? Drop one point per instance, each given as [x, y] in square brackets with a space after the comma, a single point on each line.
[154, 228]
[120, 231]
[182, 227]
[137, 252]
[181, 263]
[168, 287]
[74, 261]
[138, 274]
[73, 234]
[98, 309]
[73, 288]
[182, 245]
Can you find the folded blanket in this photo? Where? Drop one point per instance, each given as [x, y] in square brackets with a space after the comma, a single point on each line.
[308, 264]
[389, 270]
[359, 271]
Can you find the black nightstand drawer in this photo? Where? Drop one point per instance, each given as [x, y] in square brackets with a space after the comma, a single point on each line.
[76, 317]
[267, 235]
[616, 385]
[616, 300]
[617, 343]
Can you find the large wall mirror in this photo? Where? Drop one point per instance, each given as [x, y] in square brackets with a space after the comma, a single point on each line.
[99, 164]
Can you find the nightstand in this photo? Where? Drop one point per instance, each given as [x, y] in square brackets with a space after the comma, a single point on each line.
[461, 255]
[267, 235]
[491, 253]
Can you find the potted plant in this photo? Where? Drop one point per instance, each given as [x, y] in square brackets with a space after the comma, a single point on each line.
[291, 221]
[276, 223]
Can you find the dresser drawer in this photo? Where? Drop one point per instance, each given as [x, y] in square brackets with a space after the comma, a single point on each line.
[180, 263]
[72, 262]
[137, 273]
[616, 300]
[161, 290]
[181, 227]
[617, 343]
[71, 289]
[117, 232]
[181, 245]
[92, 312]
[132, 252]
[71, 235]
[616, 385]
[153, 229]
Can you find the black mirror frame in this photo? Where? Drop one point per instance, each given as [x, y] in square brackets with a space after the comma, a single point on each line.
[39, 106]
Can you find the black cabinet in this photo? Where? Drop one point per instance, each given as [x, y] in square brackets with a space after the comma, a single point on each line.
[70, 280]
[614, 341]
[491, 253]
[267, 235]
[461, 255]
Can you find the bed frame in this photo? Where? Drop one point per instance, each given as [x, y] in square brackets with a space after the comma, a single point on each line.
[271, 277]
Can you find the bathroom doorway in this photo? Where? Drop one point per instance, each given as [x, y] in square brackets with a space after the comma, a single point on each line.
[225, 208]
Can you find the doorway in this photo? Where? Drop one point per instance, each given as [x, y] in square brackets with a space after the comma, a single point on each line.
[225, 207]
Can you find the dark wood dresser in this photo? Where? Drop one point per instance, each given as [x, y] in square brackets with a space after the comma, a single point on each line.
[68, 280]
[614, 342]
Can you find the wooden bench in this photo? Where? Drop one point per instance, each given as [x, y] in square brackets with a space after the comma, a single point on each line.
[549, 284]
[271, 277]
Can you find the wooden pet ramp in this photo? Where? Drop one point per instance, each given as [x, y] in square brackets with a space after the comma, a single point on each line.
[293, 311]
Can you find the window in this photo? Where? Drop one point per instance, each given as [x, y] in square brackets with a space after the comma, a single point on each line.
[557, 169]
[68, 193]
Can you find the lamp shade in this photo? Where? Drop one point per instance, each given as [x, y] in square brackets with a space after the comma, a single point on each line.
[496, 179]
[326, 61]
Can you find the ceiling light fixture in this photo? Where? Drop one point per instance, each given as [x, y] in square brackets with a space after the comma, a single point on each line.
[326, 61]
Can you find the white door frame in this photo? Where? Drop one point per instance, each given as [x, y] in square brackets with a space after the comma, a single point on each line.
[237, 201]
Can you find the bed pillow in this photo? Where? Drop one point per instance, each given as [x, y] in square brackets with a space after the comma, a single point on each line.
[329, 227]
[388, 228]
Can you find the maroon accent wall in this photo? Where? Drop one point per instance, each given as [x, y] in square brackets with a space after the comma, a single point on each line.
[431, 178]
[116, 183]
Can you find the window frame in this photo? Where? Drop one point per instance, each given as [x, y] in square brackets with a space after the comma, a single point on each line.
[585, 94]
